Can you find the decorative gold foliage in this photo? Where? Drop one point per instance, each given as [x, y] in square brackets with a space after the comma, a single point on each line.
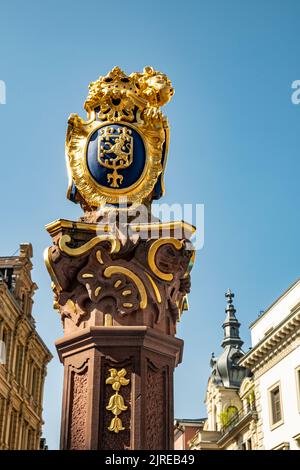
[116, 379]
[116, 402]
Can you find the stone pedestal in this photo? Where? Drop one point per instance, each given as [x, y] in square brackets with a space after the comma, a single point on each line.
[148, 357]
[120, 298]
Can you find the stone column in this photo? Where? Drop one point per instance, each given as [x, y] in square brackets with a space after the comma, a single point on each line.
[141, 417]
[119, 302]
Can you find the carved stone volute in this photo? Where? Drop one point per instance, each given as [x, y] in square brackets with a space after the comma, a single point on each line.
[100, 279]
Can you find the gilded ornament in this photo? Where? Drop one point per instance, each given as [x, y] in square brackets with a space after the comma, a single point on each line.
[178, 244]
[55, 282]
[116, 402]
[108, 320]
[66, 239]
[155, 288]
[125, 132]
[110, 270]
[121, 147]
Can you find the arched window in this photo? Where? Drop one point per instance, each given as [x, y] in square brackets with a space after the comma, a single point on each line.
[6, 338]
[231, 411]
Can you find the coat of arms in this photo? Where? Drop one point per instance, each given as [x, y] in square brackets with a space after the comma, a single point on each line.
[120, 151]
[115, 152]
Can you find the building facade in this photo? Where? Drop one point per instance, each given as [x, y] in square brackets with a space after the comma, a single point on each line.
[231, 413]
[275, 363]
[253, 399]
[23, 356]
[184, 431]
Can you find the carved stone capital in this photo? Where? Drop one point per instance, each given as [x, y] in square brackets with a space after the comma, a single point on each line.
[106, 279]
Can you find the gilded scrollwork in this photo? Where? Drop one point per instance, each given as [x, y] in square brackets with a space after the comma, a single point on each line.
[155, 246]
[66, 239]
[136, 282]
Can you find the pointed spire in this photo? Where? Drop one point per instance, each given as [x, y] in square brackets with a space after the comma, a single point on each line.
[226, 371]
[229, 296]
[231, 325]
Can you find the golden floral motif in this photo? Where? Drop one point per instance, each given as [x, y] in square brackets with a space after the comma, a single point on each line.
[117, 379]
[116, 402]
[116, 425]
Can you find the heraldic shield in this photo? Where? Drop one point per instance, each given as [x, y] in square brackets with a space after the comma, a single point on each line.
[119, 152]
[116, 156]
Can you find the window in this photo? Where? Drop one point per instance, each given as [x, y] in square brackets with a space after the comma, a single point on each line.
[30, 439]
[276, 409]
[246, 445]
[297, 439]
[19, 363]
[227, 417]
[29, 372]
[6, 341]
[2, 352]
[282, 446]
[35, 384]
[231, 411]
[298, 385]
[275, 406]
[12, 431]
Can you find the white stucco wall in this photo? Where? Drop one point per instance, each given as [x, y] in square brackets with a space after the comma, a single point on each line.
[275, 314]
[283, 371]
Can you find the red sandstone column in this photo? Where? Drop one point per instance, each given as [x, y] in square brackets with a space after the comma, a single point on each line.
[148, 358]
[119, 304]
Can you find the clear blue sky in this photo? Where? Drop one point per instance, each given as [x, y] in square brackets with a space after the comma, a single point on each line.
[234, 147]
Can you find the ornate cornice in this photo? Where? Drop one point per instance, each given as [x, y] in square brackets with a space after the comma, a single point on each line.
[276, 345]
[19, 322]
[144, 229]
[279, 299]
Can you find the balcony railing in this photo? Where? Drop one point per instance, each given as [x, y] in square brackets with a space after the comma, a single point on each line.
[237, 418]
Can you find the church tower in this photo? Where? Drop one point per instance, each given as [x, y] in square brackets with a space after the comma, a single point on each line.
[226, 375]
[230, 397]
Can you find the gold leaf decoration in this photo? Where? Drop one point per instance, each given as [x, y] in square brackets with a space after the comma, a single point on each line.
[116, 402]
[134, 100]
[116, 425]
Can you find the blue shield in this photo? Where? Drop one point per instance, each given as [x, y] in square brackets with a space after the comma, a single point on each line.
[116, 156]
